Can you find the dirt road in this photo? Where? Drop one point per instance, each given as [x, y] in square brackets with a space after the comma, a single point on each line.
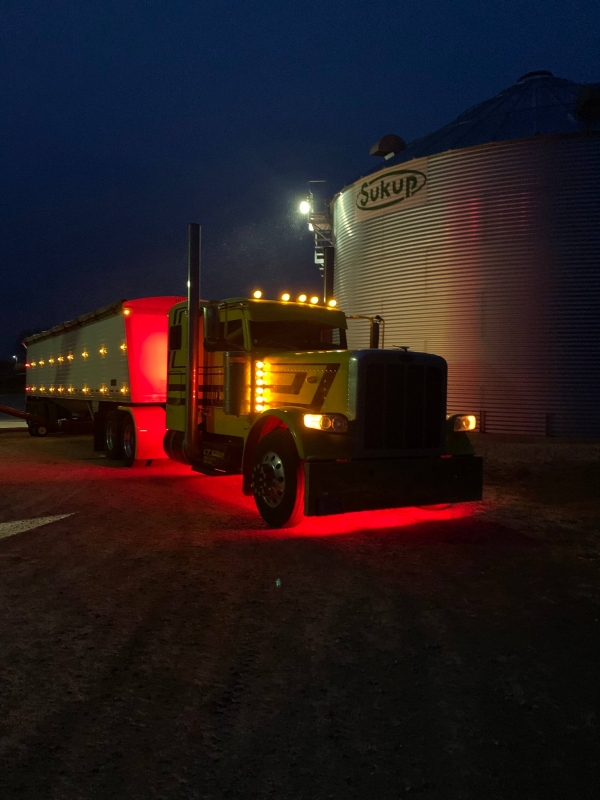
[158, 642]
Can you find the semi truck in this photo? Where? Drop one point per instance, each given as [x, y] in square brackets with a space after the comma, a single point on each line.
[265, 388]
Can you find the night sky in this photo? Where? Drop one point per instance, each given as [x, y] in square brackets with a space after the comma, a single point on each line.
[122, 121]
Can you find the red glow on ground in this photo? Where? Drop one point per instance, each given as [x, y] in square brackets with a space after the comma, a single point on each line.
[227, 491]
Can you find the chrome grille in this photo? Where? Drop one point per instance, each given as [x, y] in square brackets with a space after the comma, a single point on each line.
[404, 406]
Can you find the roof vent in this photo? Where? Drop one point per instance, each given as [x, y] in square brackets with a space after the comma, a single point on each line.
[388, 146]
[540, 73]
[587, 104]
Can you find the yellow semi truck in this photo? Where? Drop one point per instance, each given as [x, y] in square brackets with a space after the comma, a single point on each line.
[314, 428]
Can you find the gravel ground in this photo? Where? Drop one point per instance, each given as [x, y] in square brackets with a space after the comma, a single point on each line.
[160, 643]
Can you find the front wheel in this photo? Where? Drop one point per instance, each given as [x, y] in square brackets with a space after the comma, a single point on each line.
[278, 480]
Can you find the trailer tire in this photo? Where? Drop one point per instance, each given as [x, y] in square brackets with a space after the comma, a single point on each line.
[113, 442]
[38, 430]
[278, 480]
[32, 430]
[128, 440]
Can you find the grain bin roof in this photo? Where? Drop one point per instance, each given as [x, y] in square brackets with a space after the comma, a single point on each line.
[537, 104]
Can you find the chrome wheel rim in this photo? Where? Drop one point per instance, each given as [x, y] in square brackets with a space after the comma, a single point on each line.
[269, 479]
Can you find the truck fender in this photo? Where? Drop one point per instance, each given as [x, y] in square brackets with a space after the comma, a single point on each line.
[267, 422]
[150, 429]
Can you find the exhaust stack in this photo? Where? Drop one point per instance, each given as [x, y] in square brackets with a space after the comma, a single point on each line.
[190, 442]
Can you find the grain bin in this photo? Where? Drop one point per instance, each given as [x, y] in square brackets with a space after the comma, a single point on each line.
[481, 242]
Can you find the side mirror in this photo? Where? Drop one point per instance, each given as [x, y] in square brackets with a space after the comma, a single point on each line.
[212, 327]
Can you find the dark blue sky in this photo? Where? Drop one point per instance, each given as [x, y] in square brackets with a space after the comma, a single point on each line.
[122, 121]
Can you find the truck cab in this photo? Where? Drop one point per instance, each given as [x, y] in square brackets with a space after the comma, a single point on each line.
[314, 428]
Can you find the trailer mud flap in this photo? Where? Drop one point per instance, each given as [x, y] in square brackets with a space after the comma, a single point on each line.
[150, 429]
[337, 487]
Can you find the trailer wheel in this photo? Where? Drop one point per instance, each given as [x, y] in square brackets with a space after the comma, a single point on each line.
[38, 430]
[113, 443]
[278, 480]
[33, 431]
[128, 440]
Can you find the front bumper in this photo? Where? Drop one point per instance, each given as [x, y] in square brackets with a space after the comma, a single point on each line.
[336, 487]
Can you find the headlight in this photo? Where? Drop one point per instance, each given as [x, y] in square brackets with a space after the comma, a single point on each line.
[332, 423]
[465, 422]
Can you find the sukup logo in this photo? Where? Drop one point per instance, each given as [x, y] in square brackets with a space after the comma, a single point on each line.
[387, 190]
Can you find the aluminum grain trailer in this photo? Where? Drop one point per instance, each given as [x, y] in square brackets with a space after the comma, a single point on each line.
[107, 370]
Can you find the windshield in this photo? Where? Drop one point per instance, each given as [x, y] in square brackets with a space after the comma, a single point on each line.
[297, 335]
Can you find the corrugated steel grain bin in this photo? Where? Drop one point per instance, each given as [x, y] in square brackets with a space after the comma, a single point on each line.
[481, 243]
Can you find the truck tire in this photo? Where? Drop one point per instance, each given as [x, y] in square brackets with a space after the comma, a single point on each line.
[278, 480]
[113, 443]
[128, 440]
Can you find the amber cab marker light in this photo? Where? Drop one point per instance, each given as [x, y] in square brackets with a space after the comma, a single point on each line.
[285, 297]
[302, 298]
[332, 303]
[127, 311]
[257, 294]
[314, 300]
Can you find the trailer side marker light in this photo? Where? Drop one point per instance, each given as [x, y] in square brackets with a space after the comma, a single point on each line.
[41, 362]
[127, 311]
[70, 390]
[70, 357]
[257, 294]
[124, 347]
[103, 351]
[332, 303]
[61, 389]
[60, 359]
[124, 390]
[85, 390]
[51, 360]
[85, 354]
